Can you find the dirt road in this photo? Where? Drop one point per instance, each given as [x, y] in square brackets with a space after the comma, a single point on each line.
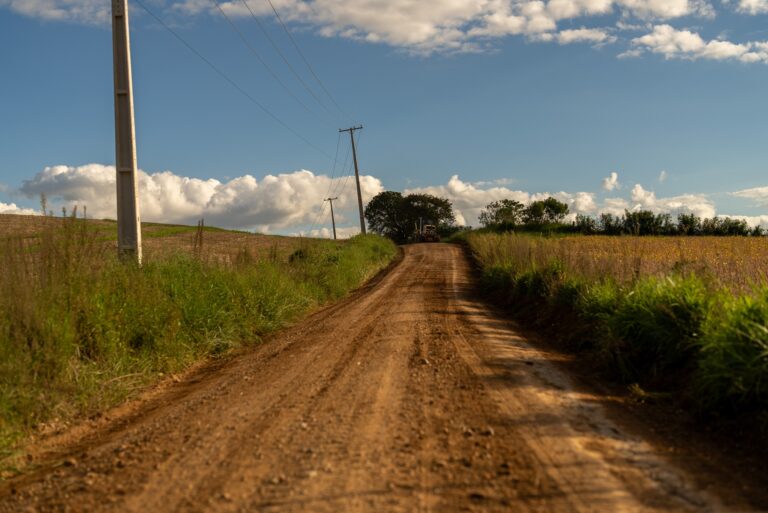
[409, 396]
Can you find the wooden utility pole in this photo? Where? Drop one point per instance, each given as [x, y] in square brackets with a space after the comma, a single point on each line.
[351, 131]
[128, 220]
[333, 219]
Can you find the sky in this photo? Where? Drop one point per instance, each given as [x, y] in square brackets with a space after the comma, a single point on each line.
[605, 104]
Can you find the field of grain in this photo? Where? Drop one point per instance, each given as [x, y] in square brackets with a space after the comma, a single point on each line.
[735, 263]
[684, 315]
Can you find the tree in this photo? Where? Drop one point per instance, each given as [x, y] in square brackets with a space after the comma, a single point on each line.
[506, 212]
[586, 225]
[429, 209]
[548, 211]
[384, 215]
[689, 224]
[393, 215]
[645, 222]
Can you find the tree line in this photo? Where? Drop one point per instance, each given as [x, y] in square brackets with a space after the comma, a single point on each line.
[549, 215]
[399, 217]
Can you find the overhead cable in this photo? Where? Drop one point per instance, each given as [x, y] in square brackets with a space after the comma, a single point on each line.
[262, 61]
[233, 83]
[304, 58]
[285, 59]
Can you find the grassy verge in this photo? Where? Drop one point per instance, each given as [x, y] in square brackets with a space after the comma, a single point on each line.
[680, 334]
[81, 331]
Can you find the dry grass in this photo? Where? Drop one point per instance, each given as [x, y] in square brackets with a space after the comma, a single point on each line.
[160, 240]
[735, 263]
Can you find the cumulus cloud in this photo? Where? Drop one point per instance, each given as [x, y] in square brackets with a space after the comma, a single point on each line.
[292, 202]
[469, 199]
[663, 176]
[614, 206]
[425, 26]
[611, 182]
[272, 203]
[11, 208]
[81, 11]
[753, 6]
[342, 232]
[758, 194]
[673, 43]
[698, 204]
[752, 221]
[584, 35]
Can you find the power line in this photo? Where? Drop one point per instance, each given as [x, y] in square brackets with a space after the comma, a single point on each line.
[285, 59]
[347, 174]
[351, 131]
[304, 58]
[333, 172]
[232, 82]
[261, 60]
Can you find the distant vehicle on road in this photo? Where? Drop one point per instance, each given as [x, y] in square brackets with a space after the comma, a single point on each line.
[430, 233]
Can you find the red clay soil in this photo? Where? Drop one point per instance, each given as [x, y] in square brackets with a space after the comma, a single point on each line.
[410, 395]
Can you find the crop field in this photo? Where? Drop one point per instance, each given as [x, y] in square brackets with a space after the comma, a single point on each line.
[736, 263]
[158, 240]
[679, 315]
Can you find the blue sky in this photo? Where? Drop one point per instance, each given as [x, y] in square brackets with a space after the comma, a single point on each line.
[470, 99]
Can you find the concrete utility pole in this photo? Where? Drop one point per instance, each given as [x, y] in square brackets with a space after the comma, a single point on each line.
[128, 220]
[333, 219]
[357, 174]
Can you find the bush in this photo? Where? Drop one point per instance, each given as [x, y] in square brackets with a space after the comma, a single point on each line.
[655, 328]
[733, 371]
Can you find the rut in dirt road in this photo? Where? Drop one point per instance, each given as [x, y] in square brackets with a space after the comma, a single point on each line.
[408, 396]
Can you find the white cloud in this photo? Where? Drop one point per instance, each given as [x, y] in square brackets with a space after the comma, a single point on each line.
[663, 176]
[611, 182]
[684, 44]
[698, 204]
[342, 232]
[584, 35]
[423, 27]
[292, 202]
[273, 203]
[11, 208]
[469, 199]
[667, 9]
[615, 206]
[81, 11]
[752, 221]
[759, 194]
[753, 6]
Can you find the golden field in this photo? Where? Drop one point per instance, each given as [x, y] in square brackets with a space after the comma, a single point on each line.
[735, 263]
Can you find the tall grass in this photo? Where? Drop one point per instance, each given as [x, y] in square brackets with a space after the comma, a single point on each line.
[80, 330]
[684, 331]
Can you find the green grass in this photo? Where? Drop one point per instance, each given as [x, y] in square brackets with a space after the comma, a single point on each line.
[678, 335]
[81, 331]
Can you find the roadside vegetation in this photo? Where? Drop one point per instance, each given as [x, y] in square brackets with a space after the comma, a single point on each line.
[679, 317]
[81, 331]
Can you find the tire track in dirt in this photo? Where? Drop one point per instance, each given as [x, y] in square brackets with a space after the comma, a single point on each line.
[407, 396]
